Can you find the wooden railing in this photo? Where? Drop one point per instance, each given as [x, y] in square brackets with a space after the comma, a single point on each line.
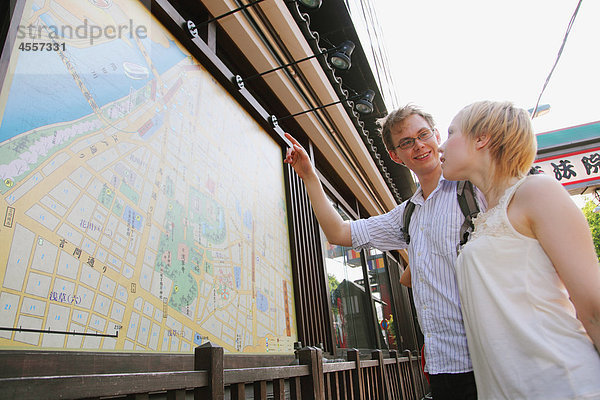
[308, 377]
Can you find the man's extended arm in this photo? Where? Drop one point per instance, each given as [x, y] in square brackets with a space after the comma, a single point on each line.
[336, 229]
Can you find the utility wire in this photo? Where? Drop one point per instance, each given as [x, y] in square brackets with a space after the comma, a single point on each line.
[558, 57]
[379, 53]
[379, 57]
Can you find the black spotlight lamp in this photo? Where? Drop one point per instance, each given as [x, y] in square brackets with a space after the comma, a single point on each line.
[364, 105]
[340, 59]
[193, 28]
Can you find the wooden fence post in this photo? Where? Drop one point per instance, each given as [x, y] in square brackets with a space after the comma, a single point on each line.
[313, 386]
[384, 385]
[357, 384]
[398, 371]
[413, 378]
[209, 358]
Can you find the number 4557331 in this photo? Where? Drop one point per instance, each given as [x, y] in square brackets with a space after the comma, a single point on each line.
[41, 46]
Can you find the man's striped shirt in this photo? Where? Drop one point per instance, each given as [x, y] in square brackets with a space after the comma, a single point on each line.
[434, 234]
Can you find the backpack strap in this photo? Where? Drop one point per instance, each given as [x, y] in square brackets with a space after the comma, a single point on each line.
[408, 210]
[468, 206]
[465, 194]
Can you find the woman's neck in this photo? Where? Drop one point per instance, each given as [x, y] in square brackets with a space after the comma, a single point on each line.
[494, 189]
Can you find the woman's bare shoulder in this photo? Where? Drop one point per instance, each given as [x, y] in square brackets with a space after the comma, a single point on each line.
[541, 186]
[540, 195]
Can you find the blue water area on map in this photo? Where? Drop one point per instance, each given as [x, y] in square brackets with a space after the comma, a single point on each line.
[197, 339]
[237, 273]
[43, 91]
[262, 303]
[133, 218]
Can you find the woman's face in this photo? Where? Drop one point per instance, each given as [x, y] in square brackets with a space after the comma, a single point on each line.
[457, 153]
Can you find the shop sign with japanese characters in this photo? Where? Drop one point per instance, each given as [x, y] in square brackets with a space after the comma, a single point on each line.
[572, 168]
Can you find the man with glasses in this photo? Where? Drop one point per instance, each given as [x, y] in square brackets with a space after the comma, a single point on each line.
[411, 139]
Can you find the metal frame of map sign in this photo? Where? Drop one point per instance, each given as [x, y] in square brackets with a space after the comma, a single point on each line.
[144, 208]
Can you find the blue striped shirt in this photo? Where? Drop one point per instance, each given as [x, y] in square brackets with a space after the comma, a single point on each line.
[434, 233]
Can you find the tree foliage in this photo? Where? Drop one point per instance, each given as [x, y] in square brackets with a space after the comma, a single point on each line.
[594, 223]
[333, 282]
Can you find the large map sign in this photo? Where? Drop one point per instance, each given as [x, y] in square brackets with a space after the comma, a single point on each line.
[141, 209]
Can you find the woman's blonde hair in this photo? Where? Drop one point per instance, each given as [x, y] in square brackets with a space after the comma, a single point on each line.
[512, 144]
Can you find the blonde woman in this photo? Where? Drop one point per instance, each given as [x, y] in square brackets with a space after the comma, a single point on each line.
[528, 278]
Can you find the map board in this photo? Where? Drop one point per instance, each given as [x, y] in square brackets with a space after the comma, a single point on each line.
[141, 208]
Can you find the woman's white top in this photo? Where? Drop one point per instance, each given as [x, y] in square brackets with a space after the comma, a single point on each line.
[524, 338]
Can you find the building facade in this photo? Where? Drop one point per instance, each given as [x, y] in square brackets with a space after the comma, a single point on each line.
[146, 204]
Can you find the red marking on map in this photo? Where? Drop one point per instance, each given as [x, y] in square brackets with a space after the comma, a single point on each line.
[166, 257]
[146, 127]
[183, 252]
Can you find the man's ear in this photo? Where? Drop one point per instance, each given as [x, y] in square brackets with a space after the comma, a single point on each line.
[395, 157]
[482, 140]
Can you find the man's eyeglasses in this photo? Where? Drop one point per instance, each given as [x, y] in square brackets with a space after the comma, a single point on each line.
[407, 143]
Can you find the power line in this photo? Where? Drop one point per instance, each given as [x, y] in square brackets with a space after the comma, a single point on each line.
[366, 18]
[558, 57]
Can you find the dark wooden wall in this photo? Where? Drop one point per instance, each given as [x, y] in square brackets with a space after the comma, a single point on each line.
[313, 309]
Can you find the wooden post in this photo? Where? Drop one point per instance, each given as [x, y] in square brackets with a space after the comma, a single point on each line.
[413, 381]
[313, 386]
[237, 391]
[357, 385]
[260, 390]
[278, 389]
[398, 372]
[209, 358]
[295, 385]
[382, 376]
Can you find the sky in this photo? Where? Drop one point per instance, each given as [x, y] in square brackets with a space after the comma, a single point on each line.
[447, 54]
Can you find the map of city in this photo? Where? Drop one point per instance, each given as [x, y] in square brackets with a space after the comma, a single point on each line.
[141, 208]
